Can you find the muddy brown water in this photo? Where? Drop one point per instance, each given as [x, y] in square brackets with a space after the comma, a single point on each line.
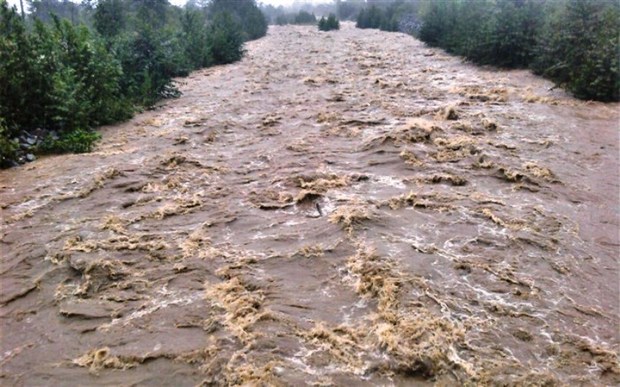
[343, 208]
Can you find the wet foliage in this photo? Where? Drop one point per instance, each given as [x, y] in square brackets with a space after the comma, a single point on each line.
[61, 78]
[572, 42]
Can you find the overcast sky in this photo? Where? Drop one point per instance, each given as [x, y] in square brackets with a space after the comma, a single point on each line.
[181, 2]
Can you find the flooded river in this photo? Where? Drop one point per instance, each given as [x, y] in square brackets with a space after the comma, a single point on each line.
[342, 208]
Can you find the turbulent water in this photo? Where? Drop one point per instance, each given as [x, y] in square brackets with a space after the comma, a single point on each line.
[342, 208]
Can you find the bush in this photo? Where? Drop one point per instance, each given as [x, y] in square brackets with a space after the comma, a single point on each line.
[76, 141]
[331, 23]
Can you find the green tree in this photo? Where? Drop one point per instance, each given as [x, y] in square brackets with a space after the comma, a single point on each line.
[110, 17]
[224, 39]
[329, 24]
[245, 13]
[194, 37]
[578, 48]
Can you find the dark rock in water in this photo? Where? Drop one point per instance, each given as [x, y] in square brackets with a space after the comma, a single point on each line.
[30, 157]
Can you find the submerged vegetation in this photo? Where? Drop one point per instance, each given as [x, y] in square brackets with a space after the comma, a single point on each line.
[61, 77]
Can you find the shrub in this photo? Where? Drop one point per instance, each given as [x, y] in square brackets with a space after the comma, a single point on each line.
[76, 141]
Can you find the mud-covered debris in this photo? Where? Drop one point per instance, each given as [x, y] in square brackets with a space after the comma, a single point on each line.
[489, 124]
[327, 117]
[514, 224]
[311, 251]
[98, 359]
[97, 275]
[454, 148]
[455, 142]
[242, 306]
[483, 94]
[410, 158]
[449, 113]
[179, 206]
[431, 201]
[448, 178]
[466, 126]
[415, 340]
[539, 172]
[271, 199]
[323, 182]
[350, 216]
[243, 372]
[307, 196]
[115, 224]
[416, 130]
[196, 243]
[116, 243]
[342, 344]
[271, 120]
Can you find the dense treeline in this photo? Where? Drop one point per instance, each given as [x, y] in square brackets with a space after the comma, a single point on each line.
[389, 16]
[59, 79]
[572, 42]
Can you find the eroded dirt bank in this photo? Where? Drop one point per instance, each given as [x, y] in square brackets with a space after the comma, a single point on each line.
[340, 208]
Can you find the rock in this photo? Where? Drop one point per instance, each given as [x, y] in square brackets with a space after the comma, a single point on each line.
[31, 140]
[30, 157]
